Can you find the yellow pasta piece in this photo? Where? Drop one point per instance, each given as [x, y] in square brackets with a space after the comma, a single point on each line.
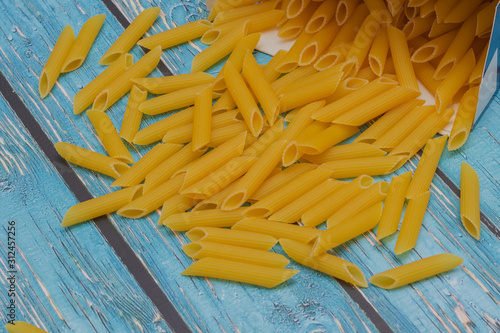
[174, 205]
[214, 218]
[277, 229]
[132, 117]
[387, 121]
[372, 166]
[203, 249]
[363, 41]
[412, 221]
[218, 50]
[410, 121]
[427, 166]
[438, 29]
[401, 56]
[242, 12]
[215, 202]
[394, 205]
[485, 18]
[379, 10]
[456, 78]
[173, 100]
[425, 72]
[346, 87]
[376, 106]
[291, 191]
[294, 75]
[131, 35]
[417, 26]
[224, 103]
[235, 236]
[464, 119]
[83, 42]
[326, 138]
[268, 277]
[396, 5]
[469, 201]
[433, 48]
[269, 136]
[156, 131]
[84, 98]
[462, 11]
[202, 118]
[477, 74]
[330, 204]
[22, 327]
[345, 9]
[310, 79]
[291, 59]
[109, 136]
[344, 152]
[373, 195]
[121, 85]
[251, 181]
[244, 99]
[416, 271]
[296, 7]
[443, 8]
[293, 211]
[171, 83]
[324, 14]
[292, 154]
[361, 221]
[334, 110]
[269, 70]
[262, 89]
[378, 52]
[146, 164]
[427, 8]
[325, 263]
[90, 159]
[52, 68]
[106, 204]
[177, 35]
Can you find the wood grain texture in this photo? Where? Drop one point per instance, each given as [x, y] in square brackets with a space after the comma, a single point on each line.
[462, 300]
[68, 280]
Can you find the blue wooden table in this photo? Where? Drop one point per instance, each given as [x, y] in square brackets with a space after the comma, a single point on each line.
[121, 275]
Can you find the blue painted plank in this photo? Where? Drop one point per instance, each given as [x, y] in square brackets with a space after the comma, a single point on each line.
[68, 280]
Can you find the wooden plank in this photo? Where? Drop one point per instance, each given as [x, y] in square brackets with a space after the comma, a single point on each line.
[67, 279]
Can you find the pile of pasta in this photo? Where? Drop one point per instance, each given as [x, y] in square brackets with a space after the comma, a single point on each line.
[238, 180]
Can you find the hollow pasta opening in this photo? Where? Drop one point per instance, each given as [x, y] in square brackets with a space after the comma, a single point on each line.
[326, 61]
[341, 13]
[365, 181]
[109, 59]
[289, 33]
[120, 168]
[43, 87]
[294, 8]
[257, 212]
[316, 24]
[424, 53]
[290, 155]
[309, 150]
[196, 234]
[357, 275]
[375, 65]
[234, 201]
[71, 66]
[470, 227]
[132, 213]
[101, 101]
[457, 140]
[257, 123]
[205, 206]
[382, 281]
[287, 67]
[443, 71]
[353, 83]
[210, 36]
[192, 249]
[308, 54]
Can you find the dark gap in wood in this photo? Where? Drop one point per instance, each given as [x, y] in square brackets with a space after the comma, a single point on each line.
[106, 228]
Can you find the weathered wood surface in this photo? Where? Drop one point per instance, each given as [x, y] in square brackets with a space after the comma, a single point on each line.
[467, 299]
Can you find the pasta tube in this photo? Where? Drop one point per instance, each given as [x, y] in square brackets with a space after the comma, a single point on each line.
[324, 14]
[203, 218]
[301, 120]
[326, 138]
[345, 152]
[293, 27]
[234, 236]
[233, 14]
[345, 10]
[91, 160]
[269, 136]
[293, 76]
[132, 117]
[171, 83]
[203, 249]
[52, 68]
[131, 35]
[325, 263]
[469, 201]
[106, 204]
[485, 18]
[224, 103]
[379, 10]
[464, 119]
[417, 26]
[434, 48]
[410, 228]
[277, 229]
[378, 52]
[146, 164]
[202, 118]
[177, 35]
[215, 201]
[426, 168]
[363, 221]
[372, 166]
[121, 85]
[83, 42]
[401, 56]
[268, 277]
[174, 205]
[84, 98]
[109, 136]
[416, 271]
[394, 204]
[363, 41]
[462, 11]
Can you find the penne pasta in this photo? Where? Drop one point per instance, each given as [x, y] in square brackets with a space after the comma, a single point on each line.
[346, 87]
[293, 76]
[286, 194]
[109, 136]
[122, 84]
[394, 204]
[345, 152]
[277, 229]
[443, 8]
[52, 68]
[268, 277]
[412, 221]
[106, 204]
[464, 119]
[215, 201]
[325, 263]
[470, 213]
[401, 56]
[214, 218]
[91, 160]
[177, 35]
[204, 249]
[477, 74]
[360, 222]
[291, 59]
[131, 35]
[485, 18]
[325, 139]
[235, 236]
[379, 10]
[425, 72]
[373, 195]
[146, 164]
[171, 83]
[324, 14]
[175, 205]
[224, 103]
[233, 14]
[433, 48]
[269, 136]
[363, 41]
[330, 204]
[378, 52]
[82, 44]
[345, 9]
[426, 168]
[269, 69]
[291, 154]
[417, 26]
[427, 8]
[202, 118]
[84, 98]
[462, 11]
[416, 271]
[132, 117]
[157, 131]
[438, 29]
[372, 166]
